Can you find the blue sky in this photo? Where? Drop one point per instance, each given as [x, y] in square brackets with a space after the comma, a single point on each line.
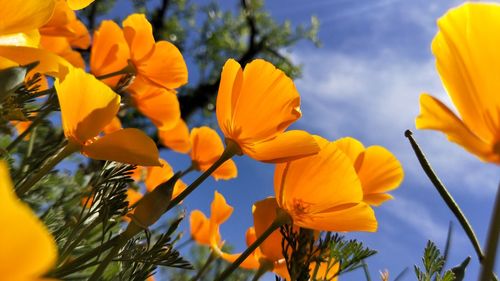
[365, 82]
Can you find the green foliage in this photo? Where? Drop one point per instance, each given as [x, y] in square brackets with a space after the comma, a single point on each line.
[433, 264]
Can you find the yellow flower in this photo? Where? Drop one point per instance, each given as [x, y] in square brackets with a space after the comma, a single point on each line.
[254, 108]
[466, 58]
[323, 192]
[79, 4]
[158, 175]
[378, 169]
[19, 33]
[87, 106]
[28, 249]
[207, 148]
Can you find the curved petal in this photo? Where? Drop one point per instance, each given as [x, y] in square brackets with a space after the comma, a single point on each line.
[317, 183]
[379, 170]
[264, 213]
[176, 138]
[351, 147]
[229, 90]
[220, 211]
[87, 105]
[285, 147]
[49, 63]
[79, 4]
[435, 115]
[159, 105]
[199, 225]
[24, 15]
[113, 126]
[138, 33]
[466, 55]
[376, 199]
[109, 52]
[160, 174]
[268, 102]
[165, 67]
[358, 217]
[249, 263]
[129, 146]
[28, 249]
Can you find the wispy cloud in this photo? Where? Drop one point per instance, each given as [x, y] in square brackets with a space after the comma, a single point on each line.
[376, 101]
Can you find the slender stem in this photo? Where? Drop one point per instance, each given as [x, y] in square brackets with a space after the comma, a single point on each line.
[131, 231]
[231, 149]
[129, 69]
[205, 266]
[25, 186]
[39, 118]
[282, 218]
[263, 268]
[188, 170]
[365, 270]
[69, 248]
[492, 243]
[78, 262]
[448, 199]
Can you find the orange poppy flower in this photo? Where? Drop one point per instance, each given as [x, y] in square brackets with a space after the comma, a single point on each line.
[207, 149]
[176, 138]
[87, 106]
[206, 231]
[323, 192]
[19, 32]
[378, 169]
[20, 260]
[254, 108]
[79, 4]
[466, 57]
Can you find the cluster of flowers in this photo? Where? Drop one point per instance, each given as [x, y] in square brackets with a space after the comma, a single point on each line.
[319, 184]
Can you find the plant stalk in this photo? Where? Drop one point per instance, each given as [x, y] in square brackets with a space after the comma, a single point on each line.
[491, 243]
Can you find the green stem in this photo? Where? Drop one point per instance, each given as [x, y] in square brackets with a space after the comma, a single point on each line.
[131, 231]
[492, 243]
[366, 271]
[205, 266]
[281, 219]
[39, 118]
[448, 199]
[83, 259]
[129, 69]
[69, 248]
[231, 150]
[25, 186]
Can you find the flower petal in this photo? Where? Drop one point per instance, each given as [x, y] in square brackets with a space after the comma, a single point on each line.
[379, 170]
[229, 90]
[28, 249]
[351, 147]
[316, 183]
[466, 58]
[264, 213]
[288, 146]
[358, 217]
[79, 4]
[49, 63]
[129, 146]
[268, 102]
[376, 199]
[159, 105]
[160, 174]
[110, 51]
[176, 138]
[87, 105]
[24, 15]
[199, 225]
[165, 67]
[435, 115]
[138, 33]
[220, 211]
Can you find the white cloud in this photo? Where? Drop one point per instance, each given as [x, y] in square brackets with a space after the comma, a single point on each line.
[375, 101]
